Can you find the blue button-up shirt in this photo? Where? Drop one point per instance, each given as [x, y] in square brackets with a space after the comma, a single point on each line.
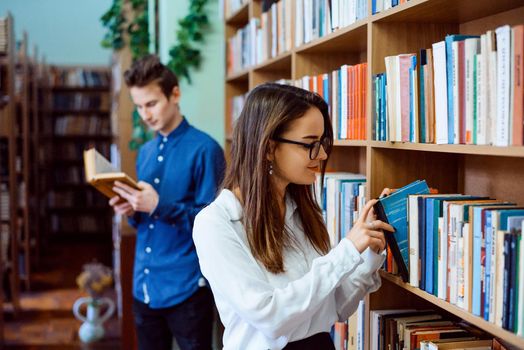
[185, 168]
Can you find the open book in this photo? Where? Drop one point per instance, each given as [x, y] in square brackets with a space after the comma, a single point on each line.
[101, 174]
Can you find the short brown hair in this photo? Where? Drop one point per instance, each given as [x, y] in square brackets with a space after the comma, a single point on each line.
[149, 69]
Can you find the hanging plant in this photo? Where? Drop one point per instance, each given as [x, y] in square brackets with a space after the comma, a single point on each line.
[183, 55]
[114, 21]
[191, 29]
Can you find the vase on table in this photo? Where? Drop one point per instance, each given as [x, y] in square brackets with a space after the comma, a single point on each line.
[92, 328]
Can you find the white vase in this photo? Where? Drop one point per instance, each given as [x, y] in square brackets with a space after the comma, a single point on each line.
[92, 328]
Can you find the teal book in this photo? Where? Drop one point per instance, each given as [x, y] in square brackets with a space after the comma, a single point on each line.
[393, 209]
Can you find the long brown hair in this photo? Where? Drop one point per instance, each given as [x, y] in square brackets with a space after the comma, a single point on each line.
[267, 113]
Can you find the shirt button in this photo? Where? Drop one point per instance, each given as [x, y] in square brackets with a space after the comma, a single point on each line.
[148, 250]
[146, 271]
[164, 139]
[161, 147]
[156, 180]
[160, 158]
[151, 226]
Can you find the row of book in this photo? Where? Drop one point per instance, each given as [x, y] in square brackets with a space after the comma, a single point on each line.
[236, 103]
[4, 41]
[468, 250]
[4, 243]
[79, 224]
[462, 90]
[378, 6]
[79, 101]
[341, 197]
[70, 175]
[78, 77]
[82, 125]
[317, 18]
[262, 38]
[67, 199]
[345, 91]
[71, 151]
[424, 329]
[271, 35]
[4, 202]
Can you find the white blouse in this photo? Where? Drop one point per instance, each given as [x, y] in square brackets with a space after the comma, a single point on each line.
[263, 310]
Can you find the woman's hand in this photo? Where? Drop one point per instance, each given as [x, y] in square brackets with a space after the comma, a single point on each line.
[367, 233]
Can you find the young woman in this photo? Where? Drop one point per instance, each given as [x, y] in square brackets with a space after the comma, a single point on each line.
[262, 243]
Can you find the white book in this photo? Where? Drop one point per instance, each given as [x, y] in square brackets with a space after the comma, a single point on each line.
[299, 23]
[511, 85]
[343, 117]
[335, 11]
[455, 88]
[393, 98]
[413, 241]
[414, 96]
[503, 85]
[482, 92]
[440, 89]
[470, 51]
[352, 12]
[492, 88]
[467, 265]
[334, 103]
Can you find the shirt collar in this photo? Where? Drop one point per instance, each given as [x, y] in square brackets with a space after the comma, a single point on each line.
[230, 203]
[179, 130]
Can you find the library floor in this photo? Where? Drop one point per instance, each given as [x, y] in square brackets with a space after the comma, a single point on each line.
[46, 320]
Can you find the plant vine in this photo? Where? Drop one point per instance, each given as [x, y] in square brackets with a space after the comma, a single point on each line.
[183, 55]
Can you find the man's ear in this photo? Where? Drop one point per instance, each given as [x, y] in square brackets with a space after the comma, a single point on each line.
[175, 94]
[270, 155]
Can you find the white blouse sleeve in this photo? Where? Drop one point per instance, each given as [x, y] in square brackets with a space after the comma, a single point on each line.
[366, 279]
[234, 274]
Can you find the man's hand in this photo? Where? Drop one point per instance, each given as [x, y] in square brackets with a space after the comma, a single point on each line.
[143, 200]
[121, 207]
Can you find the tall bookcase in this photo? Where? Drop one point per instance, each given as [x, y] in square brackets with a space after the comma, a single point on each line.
[76, 117]
[481, 170]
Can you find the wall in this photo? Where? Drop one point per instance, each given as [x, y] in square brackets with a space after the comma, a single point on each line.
[66, 31]
[202, 101]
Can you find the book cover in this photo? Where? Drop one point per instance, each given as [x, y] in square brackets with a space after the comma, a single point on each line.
[393, 210]
[101, 174]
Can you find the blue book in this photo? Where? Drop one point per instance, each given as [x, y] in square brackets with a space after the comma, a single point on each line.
[488, 234]
[393, 210]
[449, 73]
[430, 228]
[373, 7]
[384, 108]
[422, 241]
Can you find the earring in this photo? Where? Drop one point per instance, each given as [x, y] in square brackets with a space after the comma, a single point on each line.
[270, 168]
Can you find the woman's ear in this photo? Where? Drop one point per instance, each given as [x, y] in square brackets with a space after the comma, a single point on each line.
[271, 150]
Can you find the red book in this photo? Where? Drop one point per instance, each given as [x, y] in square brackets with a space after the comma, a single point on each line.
[518, 100]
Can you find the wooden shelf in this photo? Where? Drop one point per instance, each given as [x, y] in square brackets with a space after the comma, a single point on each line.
[490, 171]
[444, 11]
[281, 62]
[240, 17]
[512, 151]
[241, 77]
[350, 143]
[461, 313]
[352, 38]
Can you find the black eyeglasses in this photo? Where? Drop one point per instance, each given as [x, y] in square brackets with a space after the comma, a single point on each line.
[314, 147]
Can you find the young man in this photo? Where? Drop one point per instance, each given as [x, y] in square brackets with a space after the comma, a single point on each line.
[179, 172]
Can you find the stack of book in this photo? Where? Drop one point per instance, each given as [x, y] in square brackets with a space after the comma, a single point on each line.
[77, 77]
[80, 101]
[82, 125]
[341, 197]
[345, 91]
[465, 90]
[317, 18]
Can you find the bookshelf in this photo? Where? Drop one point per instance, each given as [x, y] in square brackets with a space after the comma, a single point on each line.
[481, 170]
[75, 117]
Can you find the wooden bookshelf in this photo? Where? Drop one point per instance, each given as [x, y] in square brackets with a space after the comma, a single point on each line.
[63, 170]
[480, 170]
